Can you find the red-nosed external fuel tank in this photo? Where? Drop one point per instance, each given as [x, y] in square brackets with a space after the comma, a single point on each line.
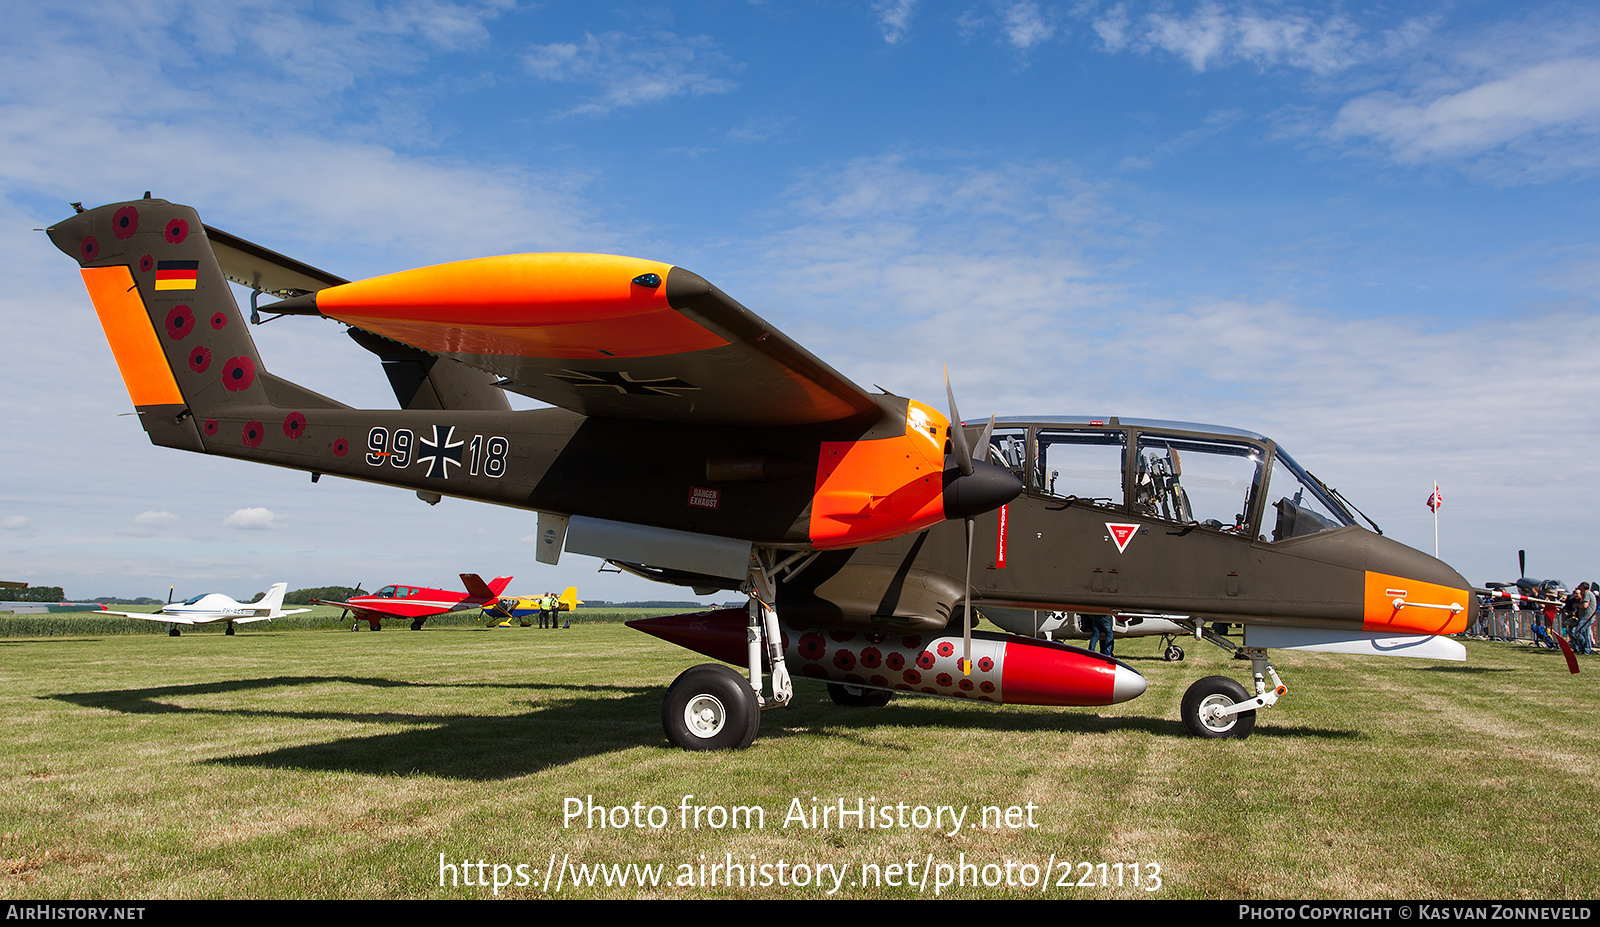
[1006, 669]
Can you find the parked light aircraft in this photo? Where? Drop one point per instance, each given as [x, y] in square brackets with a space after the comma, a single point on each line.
[692, 442]
[419, 603]
[1071, 626]
[213, 607]
[522, 608]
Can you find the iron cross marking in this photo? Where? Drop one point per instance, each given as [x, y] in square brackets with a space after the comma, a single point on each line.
[623, 382]
[442, 452]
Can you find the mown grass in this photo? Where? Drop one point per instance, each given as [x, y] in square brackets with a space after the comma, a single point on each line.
[281, 764]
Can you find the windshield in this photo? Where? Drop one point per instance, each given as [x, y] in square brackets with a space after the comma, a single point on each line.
[1196, 481]
[1297, 505]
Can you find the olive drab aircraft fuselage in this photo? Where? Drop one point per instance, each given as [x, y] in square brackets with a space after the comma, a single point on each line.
[693, 443]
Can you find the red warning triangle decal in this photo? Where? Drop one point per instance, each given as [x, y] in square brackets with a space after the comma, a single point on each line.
[1122, 534]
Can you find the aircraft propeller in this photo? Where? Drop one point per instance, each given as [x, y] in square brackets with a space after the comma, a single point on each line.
[982, 487]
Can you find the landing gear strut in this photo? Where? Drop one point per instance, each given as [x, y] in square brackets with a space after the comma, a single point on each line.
[711, 707]
[1216, 706]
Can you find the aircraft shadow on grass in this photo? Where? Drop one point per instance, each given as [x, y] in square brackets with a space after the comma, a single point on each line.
[565, 723]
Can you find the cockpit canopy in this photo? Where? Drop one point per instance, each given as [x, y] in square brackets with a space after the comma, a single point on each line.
[1222, 479]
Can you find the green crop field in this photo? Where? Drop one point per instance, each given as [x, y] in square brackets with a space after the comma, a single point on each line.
[284, 763]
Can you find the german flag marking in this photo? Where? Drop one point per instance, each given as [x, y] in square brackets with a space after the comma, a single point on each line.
[177, 275]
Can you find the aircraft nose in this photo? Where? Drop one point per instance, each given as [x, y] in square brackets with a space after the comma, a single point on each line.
[985, 489]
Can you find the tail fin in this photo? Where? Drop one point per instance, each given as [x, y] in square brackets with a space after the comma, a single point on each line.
[189, 363]
[479, 590]
[569, 599]
[272, 600]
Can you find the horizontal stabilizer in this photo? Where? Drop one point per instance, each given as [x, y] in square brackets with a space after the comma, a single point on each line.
[1426, 646]
[248, 264]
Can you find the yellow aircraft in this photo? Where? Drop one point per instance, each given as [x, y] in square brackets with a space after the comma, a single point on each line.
[521, 608]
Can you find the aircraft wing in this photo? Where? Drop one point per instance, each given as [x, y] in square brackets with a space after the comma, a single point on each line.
[153, 616]
[601, 335]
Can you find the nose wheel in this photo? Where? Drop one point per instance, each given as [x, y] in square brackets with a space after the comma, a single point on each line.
[1210, 709]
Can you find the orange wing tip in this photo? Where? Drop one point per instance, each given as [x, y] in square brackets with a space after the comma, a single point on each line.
[570, 306]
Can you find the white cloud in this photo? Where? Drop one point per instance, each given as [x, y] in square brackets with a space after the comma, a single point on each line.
[633, 70]
[14, 522]
[253, 519]
[894, 18]
[1024, 25]
[155, 519]
[1551, 107]
[1212, 35]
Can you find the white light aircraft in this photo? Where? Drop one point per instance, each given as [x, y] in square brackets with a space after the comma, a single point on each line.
[213, 607]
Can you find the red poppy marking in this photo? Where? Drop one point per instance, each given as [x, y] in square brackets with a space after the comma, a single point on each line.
[895, 660]
[986, 686]
[177, 231]
[852, 677]
[985, 698]
[911, 642]
[844, 660]
[871, 657]
[930, 690]
[783, 636]
[813, 671]
[912, 676]
[925, 660]
[944, 680]
[341, 447]
[965, 683]
[218, 320]
[842, 637]
[238, 374]
[199, 358]
[879, 681]
[946, 648]
[180, 322]
[985, 664]
[90, 248]
[211, 427]
[294, 424]
[253, 433]
[145, 263]
[125, 222]
[902, 687]
[812, 646]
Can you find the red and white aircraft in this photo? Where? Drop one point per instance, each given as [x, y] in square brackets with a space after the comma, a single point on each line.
[420, 603]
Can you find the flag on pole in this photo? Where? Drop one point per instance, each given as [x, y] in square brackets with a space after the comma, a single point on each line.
[1435, 501]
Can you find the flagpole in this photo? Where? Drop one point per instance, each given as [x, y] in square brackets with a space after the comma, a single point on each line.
[1435, 520]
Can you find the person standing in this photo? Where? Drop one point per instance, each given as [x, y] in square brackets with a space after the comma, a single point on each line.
[1582, 639]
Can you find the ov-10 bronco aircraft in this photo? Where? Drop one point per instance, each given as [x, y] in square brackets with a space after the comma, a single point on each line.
[693, 443]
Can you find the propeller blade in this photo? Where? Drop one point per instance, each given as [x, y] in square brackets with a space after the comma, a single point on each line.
[983, 440]
[966, 608]
[958, 435]
[1522, 563]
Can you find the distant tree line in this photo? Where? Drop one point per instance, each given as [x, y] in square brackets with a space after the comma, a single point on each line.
[34, 594]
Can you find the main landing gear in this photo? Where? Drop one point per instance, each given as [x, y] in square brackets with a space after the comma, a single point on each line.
[712, 707]
[1216, 706]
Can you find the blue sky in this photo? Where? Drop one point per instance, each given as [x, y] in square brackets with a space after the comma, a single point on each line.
[1367, 230]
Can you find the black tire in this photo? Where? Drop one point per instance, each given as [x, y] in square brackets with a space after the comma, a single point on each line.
[710, 707]
[1217, 690]
[1174, 654]
[858, 697]
[229, 630]
[172, 631]
[416, 623]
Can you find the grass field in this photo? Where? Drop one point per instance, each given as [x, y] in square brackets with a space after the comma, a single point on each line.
[314, 764]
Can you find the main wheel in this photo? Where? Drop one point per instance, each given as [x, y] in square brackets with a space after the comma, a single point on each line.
[416, 623]
[229, 629]
[710, 707]
[857, 696]
[1174, 654]
[1210, 694]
